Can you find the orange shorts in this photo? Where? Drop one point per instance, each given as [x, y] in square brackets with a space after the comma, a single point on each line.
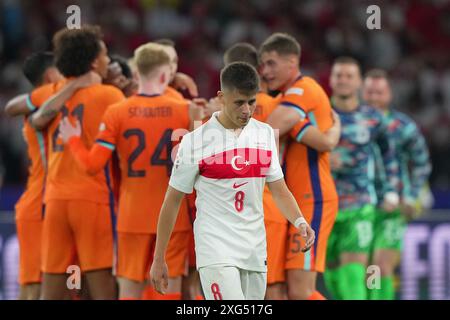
[29, 233]
[135, 254]
[321, 217]
[276, 234]
[76, 231]
[191, 253]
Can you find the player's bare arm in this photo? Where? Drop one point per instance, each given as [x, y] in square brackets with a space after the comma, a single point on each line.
[167, 218]
[54, 104]
[17, 106]
[285, 118]
[323, 142]
[289, 208]
[93, 160]
[184, 82]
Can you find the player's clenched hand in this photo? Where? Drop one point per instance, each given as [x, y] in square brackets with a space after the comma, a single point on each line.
[67, 131]
[335, 161]
[308, 234]
[212, 106]
[184, 82]
[197, 109]
[390, 201]
[388, 207]
[114, 71]
[159, 275]
[336, 118]
[410, 210]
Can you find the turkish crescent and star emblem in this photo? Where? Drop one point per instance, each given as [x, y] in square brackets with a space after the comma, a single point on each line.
[241, 167]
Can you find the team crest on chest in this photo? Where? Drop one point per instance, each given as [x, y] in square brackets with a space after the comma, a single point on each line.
[240, 165]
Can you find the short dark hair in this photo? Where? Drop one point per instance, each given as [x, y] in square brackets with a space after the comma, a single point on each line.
[377, 74]
[123, 63]
[242, 51]
[282, 43]
[240, 76]
[76, 49]
[347, 60]
[166, 42]
[35, 65]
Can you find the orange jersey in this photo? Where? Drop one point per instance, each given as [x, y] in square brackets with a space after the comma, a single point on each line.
[30, 204]
[173, 93]
[142, 129]
[265, 104]
[308, 172]
[66, 180]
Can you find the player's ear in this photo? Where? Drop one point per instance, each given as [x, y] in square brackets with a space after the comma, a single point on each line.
[94, 64]
[162, 77]
[220, 96]
[293, 61]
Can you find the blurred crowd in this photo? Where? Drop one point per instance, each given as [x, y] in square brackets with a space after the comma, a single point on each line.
[413, 44]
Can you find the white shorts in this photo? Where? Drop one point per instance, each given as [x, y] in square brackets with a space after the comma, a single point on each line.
[225, 282]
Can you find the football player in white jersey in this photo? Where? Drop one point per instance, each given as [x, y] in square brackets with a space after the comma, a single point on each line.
[228, 160]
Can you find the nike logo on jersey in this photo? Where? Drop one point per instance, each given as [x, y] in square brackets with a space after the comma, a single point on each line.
[235, 186]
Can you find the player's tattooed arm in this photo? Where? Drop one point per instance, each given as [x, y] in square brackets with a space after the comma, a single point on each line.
[17, 106]
[50, 109]
[289, 208]
[166, 222]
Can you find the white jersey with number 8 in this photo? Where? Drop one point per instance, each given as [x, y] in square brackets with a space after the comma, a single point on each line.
[229, 173]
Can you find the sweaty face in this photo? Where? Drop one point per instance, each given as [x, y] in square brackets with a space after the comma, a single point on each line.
[345, 79]
[102, 61]
[277, 70]
[377, 92]
[170, 51]
[238, 107]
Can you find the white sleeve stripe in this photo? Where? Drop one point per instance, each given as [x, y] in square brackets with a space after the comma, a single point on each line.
[296, 108]
[30, 105]
[296, 91]
[179, 187]
[275, 178]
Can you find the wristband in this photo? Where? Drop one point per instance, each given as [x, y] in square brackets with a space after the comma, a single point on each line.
[392, 198]
[299, 221]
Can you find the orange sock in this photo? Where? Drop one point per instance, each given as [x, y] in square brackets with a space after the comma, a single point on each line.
[316, 295]
[199, 297]
[128, 298]
[149, 293]
[170, 296]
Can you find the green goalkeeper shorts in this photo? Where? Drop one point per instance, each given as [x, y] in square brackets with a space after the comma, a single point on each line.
[389, 229]
[352, 232]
